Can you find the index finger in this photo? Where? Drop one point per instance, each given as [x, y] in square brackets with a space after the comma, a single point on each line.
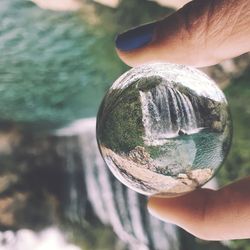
[202, 33]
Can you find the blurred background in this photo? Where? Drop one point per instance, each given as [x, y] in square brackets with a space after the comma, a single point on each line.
[57, 59]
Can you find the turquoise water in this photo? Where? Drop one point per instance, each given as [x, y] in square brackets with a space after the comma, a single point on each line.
[56, 66]
[49, 75]
[200, 150]
[53, 66]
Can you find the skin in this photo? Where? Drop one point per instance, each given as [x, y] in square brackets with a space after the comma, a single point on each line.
[202, 33]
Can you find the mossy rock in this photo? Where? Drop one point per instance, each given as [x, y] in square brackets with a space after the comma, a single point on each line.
[146, 83]
[121, 124]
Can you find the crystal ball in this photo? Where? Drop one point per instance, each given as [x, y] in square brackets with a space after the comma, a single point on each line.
[164, 129]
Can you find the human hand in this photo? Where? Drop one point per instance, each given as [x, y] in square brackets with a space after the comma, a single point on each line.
[202, 33]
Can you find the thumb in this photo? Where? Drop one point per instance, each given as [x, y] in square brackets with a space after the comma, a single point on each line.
[209, 214]
[202, 33]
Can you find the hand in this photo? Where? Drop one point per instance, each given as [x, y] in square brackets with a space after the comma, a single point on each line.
[202, 33]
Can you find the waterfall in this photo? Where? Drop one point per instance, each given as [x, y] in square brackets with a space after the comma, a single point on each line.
[165, 112]
[112, 202]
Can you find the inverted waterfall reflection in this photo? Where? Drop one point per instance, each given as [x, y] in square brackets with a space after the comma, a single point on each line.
[112, 202]
[166, 111]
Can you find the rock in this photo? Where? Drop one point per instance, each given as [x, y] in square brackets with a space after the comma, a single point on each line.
[139, 155]
[217, 126]
[182, 132]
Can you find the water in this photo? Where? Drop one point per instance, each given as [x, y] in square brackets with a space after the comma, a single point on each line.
[164, 129]
[113, 203]
[50, 61]
[161, 120]
[55, 68]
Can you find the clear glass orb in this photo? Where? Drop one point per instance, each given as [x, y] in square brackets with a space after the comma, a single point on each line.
[164, 129]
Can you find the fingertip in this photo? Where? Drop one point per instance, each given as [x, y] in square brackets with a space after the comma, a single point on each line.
[135, 51]
[186, 36]
[125, 57]
[135, 38]
[154, 209]
[152, 206]
[135, 58]
[161, 208]
[199, 211]
[178, 210]
[161, 41]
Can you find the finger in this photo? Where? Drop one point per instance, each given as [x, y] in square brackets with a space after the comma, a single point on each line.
[201, 33]
[176, 4]
[208, 214]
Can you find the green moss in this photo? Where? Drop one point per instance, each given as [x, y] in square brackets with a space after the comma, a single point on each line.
[154, 152]
[122, 127]
[147, 83]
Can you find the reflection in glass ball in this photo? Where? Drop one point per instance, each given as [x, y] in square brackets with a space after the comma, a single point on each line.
[164, 129]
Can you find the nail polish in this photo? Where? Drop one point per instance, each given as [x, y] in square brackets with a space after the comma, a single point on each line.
[135, 38]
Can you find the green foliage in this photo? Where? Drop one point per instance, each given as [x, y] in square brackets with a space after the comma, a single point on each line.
[154, 151]
[237, 164]
[147, 83]
[240, 245]
[95, 236]
[55, 67]
[122, 127]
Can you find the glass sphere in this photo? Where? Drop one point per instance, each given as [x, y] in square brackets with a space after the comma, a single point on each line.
[164, 129]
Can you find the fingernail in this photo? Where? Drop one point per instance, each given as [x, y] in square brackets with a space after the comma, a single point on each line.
[135, 38]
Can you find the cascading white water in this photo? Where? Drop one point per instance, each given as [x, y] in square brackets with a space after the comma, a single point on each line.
[165, 112]
[113, 203]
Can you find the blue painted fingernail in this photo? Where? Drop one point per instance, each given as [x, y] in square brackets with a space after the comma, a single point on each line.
[135, 38]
